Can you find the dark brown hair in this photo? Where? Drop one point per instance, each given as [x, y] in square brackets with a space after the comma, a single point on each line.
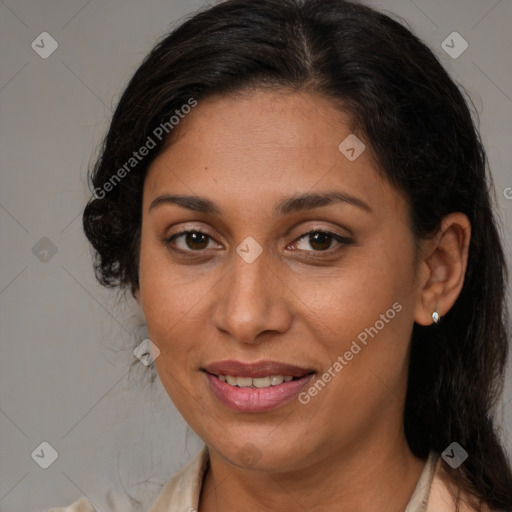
[417, 122]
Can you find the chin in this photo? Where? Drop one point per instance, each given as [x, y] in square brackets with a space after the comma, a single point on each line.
[262, 454]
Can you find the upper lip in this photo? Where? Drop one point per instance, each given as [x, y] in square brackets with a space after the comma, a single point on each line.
[257, 369]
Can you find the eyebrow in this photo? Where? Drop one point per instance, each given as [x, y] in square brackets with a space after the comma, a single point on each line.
[296, 203]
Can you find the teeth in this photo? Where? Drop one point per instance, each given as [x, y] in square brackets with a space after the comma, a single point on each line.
[243, 382]
[276, 379]
[261, 382]
[257, 382]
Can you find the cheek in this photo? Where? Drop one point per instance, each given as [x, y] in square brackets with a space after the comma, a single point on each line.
[354, 298]
[368, 308]
[168, 306]
[164, 300]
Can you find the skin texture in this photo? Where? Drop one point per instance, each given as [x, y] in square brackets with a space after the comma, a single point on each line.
[346, 448]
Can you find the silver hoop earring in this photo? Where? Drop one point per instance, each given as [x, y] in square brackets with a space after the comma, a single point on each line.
[435, 317]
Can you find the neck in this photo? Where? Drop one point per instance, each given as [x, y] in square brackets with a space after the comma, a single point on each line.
[375, 476]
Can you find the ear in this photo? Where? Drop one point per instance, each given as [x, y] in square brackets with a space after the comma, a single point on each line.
[442, 268]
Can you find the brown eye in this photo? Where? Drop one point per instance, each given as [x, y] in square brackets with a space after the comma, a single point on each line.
[196, 240]
[191, 241]
[322, 240]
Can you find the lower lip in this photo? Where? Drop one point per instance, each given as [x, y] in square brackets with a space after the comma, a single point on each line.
[256, 399]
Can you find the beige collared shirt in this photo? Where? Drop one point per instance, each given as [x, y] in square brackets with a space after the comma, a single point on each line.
[181, 493]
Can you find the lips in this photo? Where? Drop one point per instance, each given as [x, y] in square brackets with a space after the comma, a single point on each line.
[256, 398]
[255, 370]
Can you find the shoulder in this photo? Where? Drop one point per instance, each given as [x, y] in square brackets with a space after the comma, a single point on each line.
[184, 488]
[443, 492]
[82, 505]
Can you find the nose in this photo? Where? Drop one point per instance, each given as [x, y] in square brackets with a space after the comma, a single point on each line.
[251, 300]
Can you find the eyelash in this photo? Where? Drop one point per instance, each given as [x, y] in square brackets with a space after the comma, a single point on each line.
[343, 241]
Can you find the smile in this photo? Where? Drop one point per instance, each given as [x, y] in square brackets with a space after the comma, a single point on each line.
[255, 386]
[256, 382]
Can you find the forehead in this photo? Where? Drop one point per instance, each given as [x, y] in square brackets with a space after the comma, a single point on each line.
[251, 147]
[263, 121]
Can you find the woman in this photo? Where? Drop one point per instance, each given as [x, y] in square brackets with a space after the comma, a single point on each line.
[296, 195]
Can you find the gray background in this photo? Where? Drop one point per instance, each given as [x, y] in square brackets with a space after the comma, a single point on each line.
[66, 342]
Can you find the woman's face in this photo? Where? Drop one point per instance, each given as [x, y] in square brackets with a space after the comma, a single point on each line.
[249, 284]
